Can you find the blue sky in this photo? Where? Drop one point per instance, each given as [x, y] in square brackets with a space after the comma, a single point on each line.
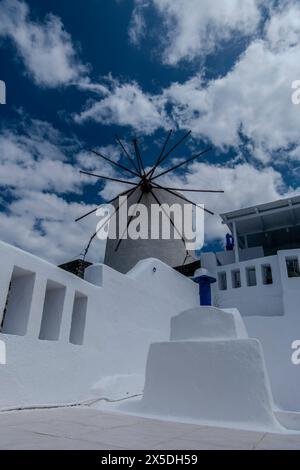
[78, 72]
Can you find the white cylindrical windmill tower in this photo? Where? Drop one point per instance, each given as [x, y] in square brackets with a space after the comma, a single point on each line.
[162, 239]
[148, 219]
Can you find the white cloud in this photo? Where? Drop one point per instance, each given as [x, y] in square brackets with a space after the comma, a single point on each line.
[283, 29]
[197, 27]
[43, 224]
[244, 186]
[45, 47]
[254, 97]
[37, 156]
[137, 28]
[88, 161]
[36, 174]
[125, 104]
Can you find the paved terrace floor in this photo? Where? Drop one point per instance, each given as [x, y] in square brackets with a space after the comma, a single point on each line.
[87, 428]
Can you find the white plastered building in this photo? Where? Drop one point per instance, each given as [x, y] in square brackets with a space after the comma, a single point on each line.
[261, 278]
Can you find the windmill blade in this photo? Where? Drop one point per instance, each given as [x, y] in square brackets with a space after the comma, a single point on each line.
[138, 156]
[94, 236]
[109, 202]
[104, 223]
[183, 198]
[161, 154]
[129, 222]
[159, 203]
[107, 178]
[174, 147]
[114, 163]
[195, 190]
[183, 163]
[137, 159]
[126, 153]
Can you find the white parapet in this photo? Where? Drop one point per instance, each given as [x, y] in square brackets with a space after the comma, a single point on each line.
[214, 380]
[63, 334]
[207, 322]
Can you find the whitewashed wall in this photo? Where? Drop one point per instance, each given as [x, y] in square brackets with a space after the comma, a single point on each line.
[272, 315]
[277, 336]
[123, 315]
[255, 300]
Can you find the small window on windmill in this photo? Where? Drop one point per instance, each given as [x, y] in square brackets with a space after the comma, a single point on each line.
[222, 281]
[292, 265]
[251, 276]
[267, 274]
[236, 279]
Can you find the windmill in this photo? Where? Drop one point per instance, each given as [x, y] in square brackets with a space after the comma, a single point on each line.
[123, 253]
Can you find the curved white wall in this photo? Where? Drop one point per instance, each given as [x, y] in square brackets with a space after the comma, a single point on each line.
[171, 251]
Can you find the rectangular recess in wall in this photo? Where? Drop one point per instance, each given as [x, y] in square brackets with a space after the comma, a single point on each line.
[251, 276]
[78, 318]
[18, 303]
[236, 279]
[267, 275]
[292, 266]
[52, 311]
[222, 280]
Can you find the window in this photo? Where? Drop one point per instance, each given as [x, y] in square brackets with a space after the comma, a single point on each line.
[52, 311]
[251, 276]
[222, 278]
[267, 276]
[236, 279]
[292, 265]
[78, 319]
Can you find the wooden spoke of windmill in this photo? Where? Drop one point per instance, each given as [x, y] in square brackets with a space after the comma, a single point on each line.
[146, 182]
[131, 191]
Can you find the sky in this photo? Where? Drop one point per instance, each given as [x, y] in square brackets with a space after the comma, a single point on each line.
[78, 72]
